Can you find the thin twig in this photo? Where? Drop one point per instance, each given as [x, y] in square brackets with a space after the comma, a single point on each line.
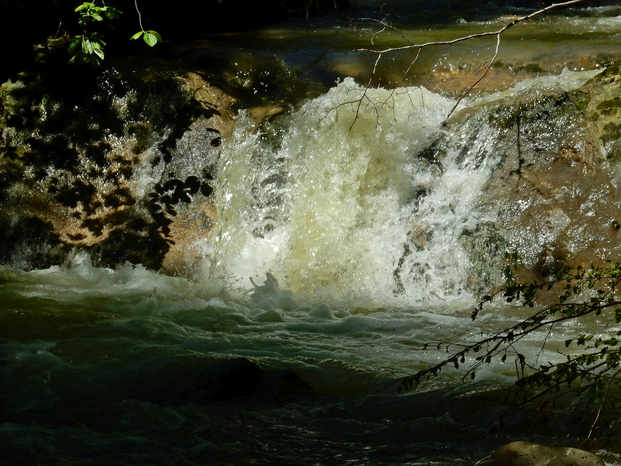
[545, 340]
[385, 26]
[139, 15]
[475, 84]
[407, 71]
[364, 94]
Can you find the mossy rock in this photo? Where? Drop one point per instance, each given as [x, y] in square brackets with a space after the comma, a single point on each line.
[552, 190]
[546, 107]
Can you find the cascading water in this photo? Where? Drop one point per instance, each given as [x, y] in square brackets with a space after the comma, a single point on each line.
[362, 196]
[347, 204]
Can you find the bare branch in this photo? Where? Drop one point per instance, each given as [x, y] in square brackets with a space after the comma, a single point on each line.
[476, 35]
[507, 337]
[497, 33]
[475, 84]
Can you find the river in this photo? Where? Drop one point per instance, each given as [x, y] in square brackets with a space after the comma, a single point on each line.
[337, 255]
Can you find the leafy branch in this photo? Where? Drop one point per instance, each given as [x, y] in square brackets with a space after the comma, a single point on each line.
[150, 37]
[596, 360]
[89, 45]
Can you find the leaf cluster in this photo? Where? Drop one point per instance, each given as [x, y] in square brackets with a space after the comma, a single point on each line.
[87, 48]
[89, 45]
[90, 12]
[150, 37]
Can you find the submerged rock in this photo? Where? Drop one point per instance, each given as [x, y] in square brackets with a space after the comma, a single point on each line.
[533, 454]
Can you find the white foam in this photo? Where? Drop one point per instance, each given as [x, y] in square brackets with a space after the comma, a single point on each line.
[564, 82]
[348, 193]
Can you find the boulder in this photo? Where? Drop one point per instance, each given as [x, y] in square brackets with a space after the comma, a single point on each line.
[533, 454]
[212, 99]
[551, 196]
[117, 183]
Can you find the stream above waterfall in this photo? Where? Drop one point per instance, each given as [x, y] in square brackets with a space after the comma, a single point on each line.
[308, 260]
[320, 51]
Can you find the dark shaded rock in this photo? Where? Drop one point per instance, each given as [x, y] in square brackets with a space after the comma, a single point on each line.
[126, 245]
[72, 150]
[30, 242]
[192, 184]
[79, 191]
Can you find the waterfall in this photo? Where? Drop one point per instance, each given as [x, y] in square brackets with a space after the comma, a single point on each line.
[348, 199]
[359, 195]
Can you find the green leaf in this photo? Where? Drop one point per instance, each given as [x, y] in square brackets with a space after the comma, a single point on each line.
[156, 34]
[83, 6]
[150, 39]
[98, 51]
[137, 35]
[97, 17]
[75, 43]
[111, 13]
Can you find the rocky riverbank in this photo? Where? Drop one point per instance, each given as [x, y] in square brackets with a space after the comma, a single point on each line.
[109, 162]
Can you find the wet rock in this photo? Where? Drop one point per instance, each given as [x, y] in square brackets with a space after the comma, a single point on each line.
[90, 159]
[533, 454]
[212, 99]
[487, 248]
[263, 113]
[258, 79]
[30, 243]
[420, 235]
[604, 113]
[189, 230]
[553, 187]
[127, 245]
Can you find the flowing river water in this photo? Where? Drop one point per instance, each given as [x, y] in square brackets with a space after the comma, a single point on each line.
[337, 254]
